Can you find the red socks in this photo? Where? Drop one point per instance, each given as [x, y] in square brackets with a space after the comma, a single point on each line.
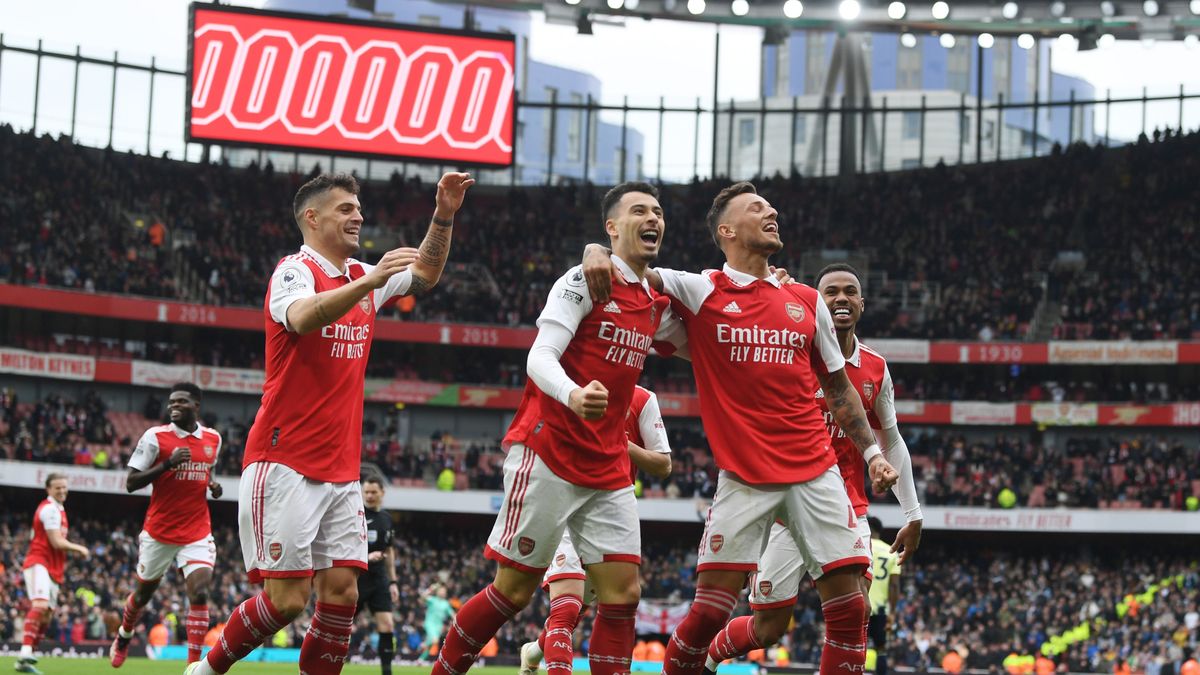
[737, 638]
[130, 617]
[557, 638]
[475, 624]
[248, 627]
[33, 627]
[689, 643]
[327, 641]
[197, 628]
[611, 648]
[845, 648]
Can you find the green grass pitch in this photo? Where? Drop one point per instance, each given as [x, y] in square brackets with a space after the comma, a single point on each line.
[53, 666]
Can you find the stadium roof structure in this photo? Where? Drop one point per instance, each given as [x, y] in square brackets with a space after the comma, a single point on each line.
[1086, 20]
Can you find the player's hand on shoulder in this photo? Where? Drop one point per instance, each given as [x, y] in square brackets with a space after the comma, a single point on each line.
[883, 474]
[179, 457]
[599, 270]
[392, 263]
[590, 401]
[781, 274]
[451, 190]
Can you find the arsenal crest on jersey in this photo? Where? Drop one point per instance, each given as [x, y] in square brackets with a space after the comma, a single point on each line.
[796, 312]
[365, 304]
[868, 388]
[208, 452]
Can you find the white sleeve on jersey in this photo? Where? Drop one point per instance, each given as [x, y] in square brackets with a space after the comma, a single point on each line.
[565, 308]
[397, 284]
[51, 517]
[905, 488]
[569, 301]
[543, 367]
[896, 450]
[290, 282]
[217, 450]
[146, 452]
[825, 341]
[654, 432]
[689, 288]
[885, 403]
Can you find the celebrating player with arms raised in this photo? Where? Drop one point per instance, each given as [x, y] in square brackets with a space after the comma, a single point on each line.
[300, 507]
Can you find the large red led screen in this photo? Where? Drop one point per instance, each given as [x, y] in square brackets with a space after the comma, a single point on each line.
[268, 79]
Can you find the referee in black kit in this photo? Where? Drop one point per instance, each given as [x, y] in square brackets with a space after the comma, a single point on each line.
[377, 589]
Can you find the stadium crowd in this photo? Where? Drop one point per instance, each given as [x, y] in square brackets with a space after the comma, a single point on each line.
[983, 602]
[950, 468]
[974, 269]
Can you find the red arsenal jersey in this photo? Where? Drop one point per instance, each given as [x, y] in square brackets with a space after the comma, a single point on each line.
[178, 512]
[869, 375]
[50, 515]
[644, 426]
[610, 345]
[754, 345]
[310, 418]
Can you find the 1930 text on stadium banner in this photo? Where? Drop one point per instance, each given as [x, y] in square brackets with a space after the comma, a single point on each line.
[350, 87]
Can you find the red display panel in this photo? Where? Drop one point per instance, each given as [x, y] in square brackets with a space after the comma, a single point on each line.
[329, 85]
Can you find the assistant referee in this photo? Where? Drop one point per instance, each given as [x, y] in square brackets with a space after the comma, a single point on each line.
[377, 589]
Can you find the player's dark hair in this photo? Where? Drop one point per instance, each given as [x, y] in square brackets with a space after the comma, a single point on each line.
[319, 186]
[191, 390]
[876, 525]
[839, 267]
[717, 211]
[614, 195]
[53, 477]
[372, 477]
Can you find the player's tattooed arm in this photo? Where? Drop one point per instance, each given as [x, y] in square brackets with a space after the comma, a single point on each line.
[435, 248]
[431, 258]
[847, 408]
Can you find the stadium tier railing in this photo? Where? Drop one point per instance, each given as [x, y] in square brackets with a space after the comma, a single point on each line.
[494, 397]
[152, 310]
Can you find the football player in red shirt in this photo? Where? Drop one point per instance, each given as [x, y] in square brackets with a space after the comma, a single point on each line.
[43, 567]
[300, 508]
[759, 348]
[177, 459]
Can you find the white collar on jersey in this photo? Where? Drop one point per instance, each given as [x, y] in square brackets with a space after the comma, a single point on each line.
[329, 268]
[628, 273]
[743, 279]
[198, 433]
[856, 356]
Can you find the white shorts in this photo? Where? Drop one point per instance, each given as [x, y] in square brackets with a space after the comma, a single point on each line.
[777, 582]
[539, 506]
[154, 557]
[817, 512]
[291, 526]
[566, 565]
[39, 585]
